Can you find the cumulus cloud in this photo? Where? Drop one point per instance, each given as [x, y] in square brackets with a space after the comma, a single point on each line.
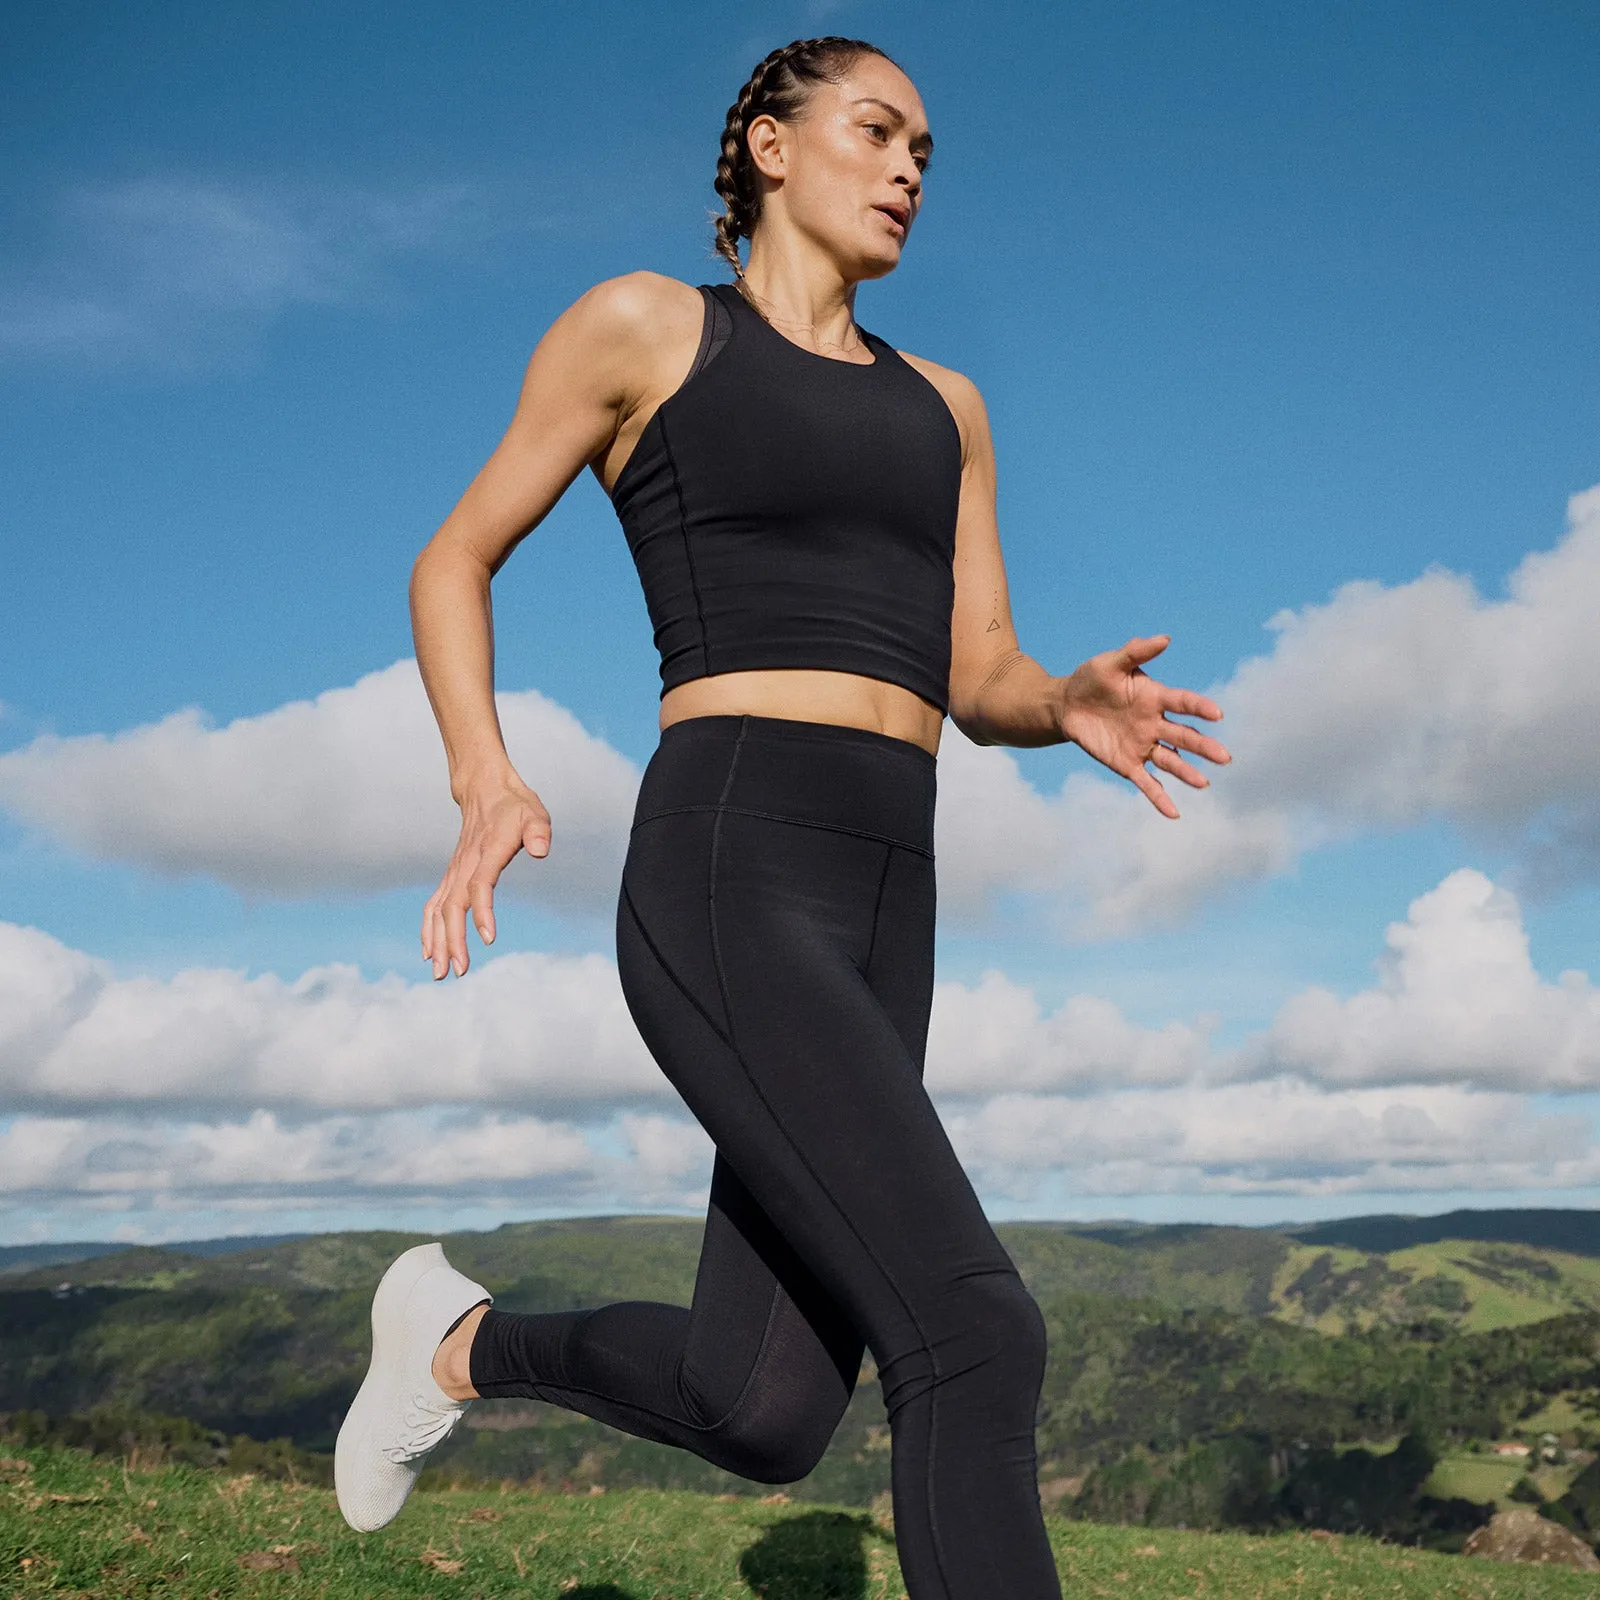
[1379, 709]
[344, 793]
[1382, 708]
[995, 1037]
[397, 1156]
[1283, 1137]
[177, 271]
[1095, 856]
[1386, 706]
[347, 793]
[527, 1084]
[527, 1031]
[1459, 1001]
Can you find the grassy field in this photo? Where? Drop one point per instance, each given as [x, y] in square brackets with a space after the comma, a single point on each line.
[71, 1524]
[1488, 1479]
[1499, 1286]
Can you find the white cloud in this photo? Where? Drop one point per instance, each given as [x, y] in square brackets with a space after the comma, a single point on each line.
[526, 1084]
[1282, 1137]
[402, 1156]
[344, 793]
[1383, 708]
[177, 271]
[526, 1031]
[995, 1037]
[1096, 856]
[1459, 1001]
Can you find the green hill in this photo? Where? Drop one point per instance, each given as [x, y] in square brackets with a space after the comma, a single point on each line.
[1569, 1231]
[1165, 1341]
[1460, 1283]
[28, 1257]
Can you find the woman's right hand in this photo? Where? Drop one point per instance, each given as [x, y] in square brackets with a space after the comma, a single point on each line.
[497, 820]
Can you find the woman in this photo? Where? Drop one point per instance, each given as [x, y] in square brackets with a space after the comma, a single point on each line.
[812, 514]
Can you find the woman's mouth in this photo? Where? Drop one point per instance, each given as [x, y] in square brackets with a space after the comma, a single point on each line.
[901, 219]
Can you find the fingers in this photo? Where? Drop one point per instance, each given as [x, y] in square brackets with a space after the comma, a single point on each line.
[1153, 792]
[1171, 762]
[438, 943]
[468, 891]
[427, 922]
[455, 937]
[536, 838]
[1186, 703]
[1138, 651]
[1182, 737]
[482, 905]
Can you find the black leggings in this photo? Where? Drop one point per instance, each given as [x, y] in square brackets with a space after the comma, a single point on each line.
[775, 942]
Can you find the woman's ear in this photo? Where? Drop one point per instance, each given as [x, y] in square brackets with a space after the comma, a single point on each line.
[767, 145]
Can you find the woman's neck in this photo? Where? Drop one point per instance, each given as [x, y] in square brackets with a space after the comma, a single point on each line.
[804, 297]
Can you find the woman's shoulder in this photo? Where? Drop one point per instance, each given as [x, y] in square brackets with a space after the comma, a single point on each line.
[958, 392]
[637, 306]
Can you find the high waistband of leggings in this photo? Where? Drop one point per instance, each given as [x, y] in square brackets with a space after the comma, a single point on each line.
[822, 774]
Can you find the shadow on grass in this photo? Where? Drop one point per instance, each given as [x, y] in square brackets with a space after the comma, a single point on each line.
[598, 1591]
[820, 1556]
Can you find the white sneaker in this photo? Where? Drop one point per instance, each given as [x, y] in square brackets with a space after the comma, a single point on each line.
[400, 1413]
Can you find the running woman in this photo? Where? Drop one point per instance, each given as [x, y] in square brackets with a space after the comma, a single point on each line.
[812, 514]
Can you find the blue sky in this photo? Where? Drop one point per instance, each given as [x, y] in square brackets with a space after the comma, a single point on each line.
[1265, 301]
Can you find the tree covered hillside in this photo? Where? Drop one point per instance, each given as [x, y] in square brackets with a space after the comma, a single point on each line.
[1165, 1343]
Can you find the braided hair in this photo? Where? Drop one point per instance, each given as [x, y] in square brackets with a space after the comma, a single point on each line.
[778, 88]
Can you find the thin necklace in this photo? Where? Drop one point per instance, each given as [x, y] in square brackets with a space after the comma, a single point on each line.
[844, 349]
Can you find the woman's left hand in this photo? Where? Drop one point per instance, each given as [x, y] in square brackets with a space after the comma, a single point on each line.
[1122, 717]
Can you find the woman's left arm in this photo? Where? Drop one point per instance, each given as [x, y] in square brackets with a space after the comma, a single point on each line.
[1000, 695]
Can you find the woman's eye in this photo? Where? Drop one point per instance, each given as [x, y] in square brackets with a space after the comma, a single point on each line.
[877, 130]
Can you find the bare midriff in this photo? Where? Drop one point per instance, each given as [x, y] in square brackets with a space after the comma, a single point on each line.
[802, 694]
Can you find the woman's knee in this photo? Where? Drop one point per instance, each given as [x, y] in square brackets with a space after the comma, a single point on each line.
[1008, 1326]
[771, 1447]
[984, 1336]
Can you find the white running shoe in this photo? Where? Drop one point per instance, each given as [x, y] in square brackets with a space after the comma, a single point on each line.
[400, 1413]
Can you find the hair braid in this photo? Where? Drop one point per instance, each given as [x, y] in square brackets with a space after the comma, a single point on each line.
[779, 87]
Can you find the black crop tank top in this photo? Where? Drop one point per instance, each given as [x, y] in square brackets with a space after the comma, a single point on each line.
[789, 510]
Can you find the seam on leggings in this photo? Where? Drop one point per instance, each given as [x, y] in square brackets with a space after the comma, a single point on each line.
[800, 1155]
[776, 816]
[666, 967]
[877, 906]
[755, 1365]
[711, 891]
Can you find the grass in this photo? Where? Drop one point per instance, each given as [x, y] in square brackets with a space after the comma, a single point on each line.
[72, 1524]
[1485, 1479]
[1502, 1290]
[1488, 1479]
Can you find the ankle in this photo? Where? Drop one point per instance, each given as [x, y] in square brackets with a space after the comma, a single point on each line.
[452, 1361]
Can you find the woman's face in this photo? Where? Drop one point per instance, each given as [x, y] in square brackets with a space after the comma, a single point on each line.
[848, 173]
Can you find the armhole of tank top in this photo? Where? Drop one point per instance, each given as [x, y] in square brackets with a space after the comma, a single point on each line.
[715, 331]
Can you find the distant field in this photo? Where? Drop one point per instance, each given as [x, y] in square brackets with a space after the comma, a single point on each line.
[72, 1524]
[1488, 1480]
[1473, 1285]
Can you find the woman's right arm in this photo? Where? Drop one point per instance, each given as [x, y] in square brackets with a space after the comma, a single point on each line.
[594, 374]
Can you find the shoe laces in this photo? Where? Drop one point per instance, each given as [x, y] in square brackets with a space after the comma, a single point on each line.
[426, 1422]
